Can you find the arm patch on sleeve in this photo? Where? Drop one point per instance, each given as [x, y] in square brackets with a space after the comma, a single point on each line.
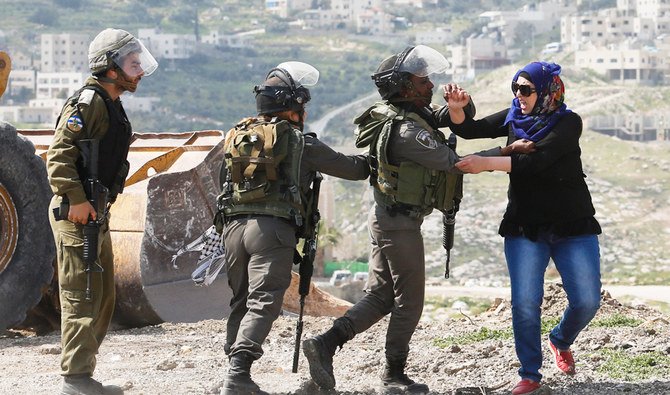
[426, 139]
[74, 124]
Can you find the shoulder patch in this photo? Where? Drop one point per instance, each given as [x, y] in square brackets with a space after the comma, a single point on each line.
[426, 139]
[86, 96]
[74, 124]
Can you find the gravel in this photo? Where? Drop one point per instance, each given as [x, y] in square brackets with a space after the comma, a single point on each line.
[188, 358]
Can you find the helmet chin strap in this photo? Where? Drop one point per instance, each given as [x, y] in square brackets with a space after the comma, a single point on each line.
[121, 81]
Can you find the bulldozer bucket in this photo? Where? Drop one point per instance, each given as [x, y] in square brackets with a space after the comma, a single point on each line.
[168, 201]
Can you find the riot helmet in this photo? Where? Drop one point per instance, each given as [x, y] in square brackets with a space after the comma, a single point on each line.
[284, 88]
[392, 75]
[116, 48]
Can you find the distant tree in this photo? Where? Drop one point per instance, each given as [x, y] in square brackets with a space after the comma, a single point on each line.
[47, 16]
[75, 4]
[277, 27]
[182, 16]
[155, 3]
[328, 237]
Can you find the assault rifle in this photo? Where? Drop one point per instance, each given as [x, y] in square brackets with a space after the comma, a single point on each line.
[307, 261]
[449, 218]
[97, 194]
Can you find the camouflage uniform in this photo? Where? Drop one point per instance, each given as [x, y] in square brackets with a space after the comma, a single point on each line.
[84, 322]
[259, 254]
[397, 264]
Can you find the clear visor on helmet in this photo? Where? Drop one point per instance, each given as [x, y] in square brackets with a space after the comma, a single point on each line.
[423, 61]
[301, 73]
[134, 59]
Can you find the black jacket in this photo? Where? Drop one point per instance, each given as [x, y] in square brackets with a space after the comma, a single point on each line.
[547, 190]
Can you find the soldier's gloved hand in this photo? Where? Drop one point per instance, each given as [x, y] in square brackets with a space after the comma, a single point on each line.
[80, 213]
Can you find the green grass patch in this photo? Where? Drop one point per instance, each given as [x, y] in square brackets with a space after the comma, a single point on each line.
[548, 324]
[621, 365]
[482, 334]
[475, 305]
[616, 320]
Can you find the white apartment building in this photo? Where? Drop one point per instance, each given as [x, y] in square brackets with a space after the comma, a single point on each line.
[374, 21]
[168, 45]
[58, 85]
[26, 114]
[362, 16]
[237, 40]
[64, 52]
[133, 103]
[284, 8]
[478, 55]
[440, 35]
[21, 79]
[610, 26]
[627, 44]
[22, 59]
[625, 64]
[543, 17]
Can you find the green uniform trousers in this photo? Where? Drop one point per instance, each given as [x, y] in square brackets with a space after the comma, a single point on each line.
[84, 322]
[396, 282]
[259, 259]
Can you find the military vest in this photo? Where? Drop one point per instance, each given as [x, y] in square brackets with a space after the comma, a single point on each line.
[113, 165]
[262, 161]
[409, 183]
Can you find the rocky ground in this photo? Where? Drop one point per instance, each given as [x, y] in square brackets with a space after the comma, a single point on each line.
[626, 350]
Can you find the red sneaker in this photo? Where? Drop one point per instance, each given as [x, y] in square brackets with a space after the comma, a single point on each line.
[564, 360]
[526, 387]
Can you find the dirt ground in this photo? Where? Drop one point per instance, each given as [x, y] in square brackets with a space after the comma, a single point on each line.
[189, 358]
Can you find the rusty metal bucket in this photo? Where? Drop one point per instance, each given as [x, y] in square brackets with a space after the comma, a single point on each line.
[169, 200]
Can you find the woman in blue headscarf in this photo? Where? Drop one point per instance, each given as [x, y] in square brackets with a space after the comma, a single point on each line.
[549, 213]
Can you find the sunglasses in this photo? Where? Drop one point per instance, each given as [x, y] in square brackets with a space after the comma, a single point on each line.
[526, 90]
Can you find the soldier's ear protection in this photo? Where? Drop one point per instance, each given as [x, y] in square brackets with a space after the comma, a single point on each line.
[283, 95]
[392, 78]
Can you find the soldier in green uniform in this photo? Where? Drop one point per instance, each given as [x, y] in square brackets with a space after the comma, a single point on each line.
[117, 61]
[412, 173]
[265, 207]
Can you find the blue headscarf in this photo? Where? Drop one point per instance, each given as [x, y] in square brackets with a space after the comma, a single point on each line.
[549, 107]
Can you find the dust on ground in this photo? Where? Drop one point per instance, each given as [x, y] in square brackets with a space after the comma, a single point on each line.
[188, 358]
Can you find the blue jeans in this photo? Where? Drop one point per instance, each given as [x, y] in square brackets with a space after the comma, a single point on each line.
[578, 262]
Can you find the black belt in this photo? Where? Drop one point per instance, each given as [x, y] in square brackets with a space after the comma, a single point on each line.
[237, 217]
[404, 209]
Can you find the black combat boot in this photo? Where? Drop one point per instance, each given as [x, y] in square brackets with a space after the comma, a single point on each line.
[238, 380]
[394, 379]
[319, 351]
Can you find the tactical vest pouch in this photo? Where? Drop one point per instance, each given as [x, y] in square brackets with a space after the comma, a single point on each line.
[451, 189]
[414, 185]
[254, 152]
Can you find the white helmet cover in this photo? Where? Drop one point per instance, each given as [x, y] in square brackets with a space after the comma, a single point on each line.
[302, 74]
[120, 47]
